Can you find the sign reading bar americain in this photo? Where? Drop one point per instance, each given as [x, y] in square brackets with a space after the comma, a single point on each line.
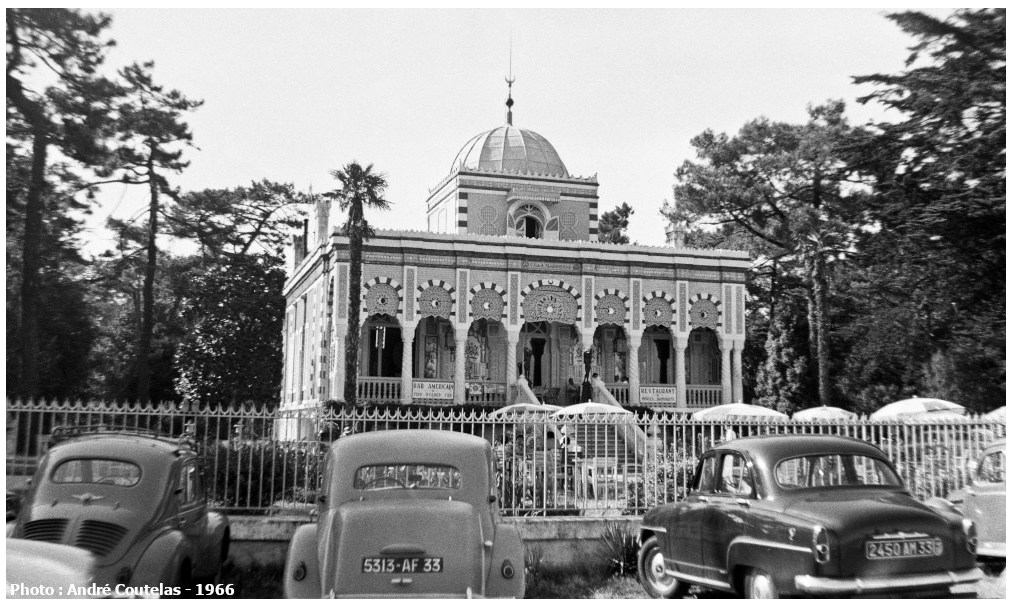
[431, 389]
[657, 394]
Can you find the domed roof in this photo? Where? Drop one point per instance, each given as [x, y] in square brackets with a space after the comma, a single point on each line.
[510, 149]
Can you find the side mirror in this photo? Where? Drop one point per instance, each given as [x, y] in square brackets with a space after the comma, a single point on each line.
[971, 469]
[492, 499]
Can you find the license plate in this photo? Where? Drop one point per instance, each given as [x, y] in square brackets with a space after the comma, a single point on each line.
[910, 548]
[402, 565]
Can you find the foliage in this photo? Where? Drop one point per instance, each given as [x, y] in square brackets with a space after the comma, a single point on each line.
[780, 380]
[671, 473]
[232, 351]
[151, 137]
[534, 559]
[620, 549]
[239, 222]
[63, 49]
[361, 188]
[786, 186]
[611, 228]
[245, 472]
[932, 284]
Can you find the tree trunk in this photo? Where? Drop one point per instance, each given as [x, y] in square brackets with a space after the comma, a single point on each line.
[31, 267]
[148, 291]
[31, 250]
[354, 307]
[822, 340]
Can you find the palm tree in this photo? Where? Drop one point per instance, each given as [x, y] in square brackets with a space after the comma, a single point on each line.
[360, 188]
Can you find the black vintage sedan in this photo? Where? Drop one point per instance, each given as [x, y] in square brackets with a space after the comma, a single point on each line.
[802, 515]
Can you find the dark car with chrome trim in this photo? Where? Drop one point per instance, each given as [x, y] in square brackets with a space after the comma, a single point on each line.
[407, 514]
[135, 500]
[803, 515]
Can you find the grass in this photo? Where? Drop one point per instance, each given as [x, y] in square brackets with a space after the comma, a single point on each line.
[255, 582]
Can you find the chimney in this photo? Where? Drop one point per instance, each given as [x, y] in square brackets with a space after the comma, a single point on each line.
[675, 234]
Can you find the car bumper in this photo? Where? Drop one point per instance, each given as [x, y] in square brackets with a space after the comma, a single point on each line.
[814, 585]
[991, 549]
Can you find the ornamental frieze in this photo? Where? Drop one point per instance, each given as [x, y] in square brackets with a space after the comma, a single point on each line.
[487, 304]
[704, 314]
[382, 298]
[550, 303]
[610, 309]
[657, 312]
[435, 301]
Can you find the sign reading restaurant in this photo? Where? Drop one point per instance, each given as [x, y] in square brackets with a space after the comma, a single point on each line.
[431, 389]
[654, 395]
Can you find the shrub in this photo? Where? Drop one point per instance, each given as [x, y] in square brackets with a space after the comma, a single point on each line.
[620, 549]
[253, 474]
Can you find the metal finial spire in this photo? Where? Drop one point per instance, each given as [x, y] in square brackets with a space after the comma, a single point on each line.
[509, 82]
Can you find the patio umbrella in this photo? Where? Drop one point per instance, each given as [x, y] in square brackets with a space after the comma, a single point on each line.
[915, 406]
[997, 414]
[737, 410]
[589, 407]
[523, 408]
[824, 412]
[939, 416]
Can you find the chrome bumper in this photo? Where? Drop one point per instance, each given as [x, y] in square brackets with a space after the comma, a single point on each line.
[991, 549]
[814, 585]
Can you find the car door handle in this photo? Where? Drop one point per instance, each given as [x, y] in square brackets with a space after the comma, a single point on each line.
[743, 502]
[704, 499]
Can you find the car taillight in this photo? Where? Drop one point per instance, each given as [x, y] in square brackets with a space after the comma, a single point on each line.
[820, 544]
[970, 534]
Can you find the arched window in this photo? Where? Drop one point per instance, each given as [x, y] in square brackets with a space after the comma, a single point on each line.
[530, 221]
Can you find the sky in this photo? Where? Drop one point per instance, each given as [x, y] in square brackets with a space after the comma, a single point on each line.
[290, 95]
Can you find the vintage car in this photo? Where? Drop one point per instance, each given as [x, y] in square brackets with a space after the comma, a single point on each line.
[133, 499]
[407, 513]
[983, 502]
[803, 515]
[37, 570]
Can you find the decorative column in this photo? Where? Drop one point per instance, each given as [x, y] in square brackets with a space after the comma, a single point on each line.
[339, 357]
[736, 370]
[725, 370]
[681, 392]
[633, 368]
[459, 365]
[512, 340]
[407, 369]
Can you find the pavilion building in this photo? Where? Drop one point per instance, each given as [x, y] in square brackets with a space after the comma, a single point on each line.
[510, 280]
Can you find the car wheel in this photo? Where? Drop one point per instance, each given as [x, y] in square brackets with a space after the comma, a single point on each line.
[650, 566]
[759, 585]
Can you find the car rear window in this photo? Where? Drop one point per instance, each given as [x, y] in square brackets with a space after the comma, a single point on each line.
[834, 470]
[407, 476]
[97, 470]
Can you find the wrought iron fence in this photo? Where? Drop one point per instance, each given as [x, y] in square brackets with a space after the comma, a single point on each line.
[259, 461]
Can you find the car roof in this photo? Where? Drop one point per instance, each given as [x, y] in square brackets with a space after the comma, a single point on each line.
[422, 445]
[774, 448]
[119, 445]
[471, 455]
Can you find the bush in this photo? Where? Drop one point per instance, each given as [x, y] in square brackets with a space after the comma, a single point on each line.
[620, 549]
[253, 474]
[668, 482]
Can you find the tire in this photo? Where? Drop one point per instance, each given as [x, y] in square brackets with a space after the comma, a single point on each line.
[760, 585]
[650, 568]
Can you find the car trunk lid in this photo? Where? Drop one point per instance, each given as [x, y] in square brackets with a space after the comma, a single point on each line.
[405, 548]
[882, 532]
